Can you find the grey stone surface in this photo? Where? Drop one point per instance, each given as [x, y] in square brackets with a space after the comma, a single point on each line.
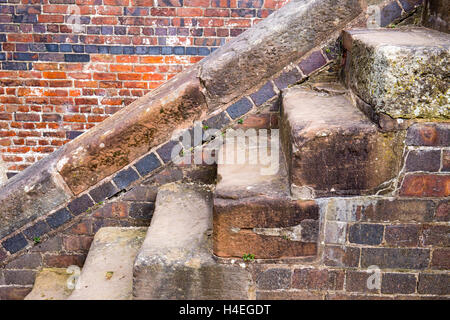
[31, 194]
[108, 271]
[283, 37]
[401, 72]
[50, 284]
[175, 261]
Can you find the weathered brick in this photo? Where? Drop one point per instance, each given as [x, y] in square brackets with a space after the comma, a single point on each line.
[125, 177]
[438, 284]
[312, 63]
[357, 281]
[140, 210]
[402, 235]
[318, 279]
[273, 279]
[37, 230]
[335, 232]
[363, 233]
[64, 260]
[106, 190]
[389, 13]
[310, 230]
[443, 211]
[408, 5]
[15, 243]
[116, 210]
[77, 243]
[423, 160]
[53, 244]
[239, 108]
[217, 121]
[440, 259]
[147, 164]
[445, 160]
[395, 258]
[341, 256]
[434, 235]
[141, 193]
[262, 95]
[288, 78]
[58, 218]
[398, 283]
[399, 210]
[19, 277]
[428, 134]
[14, 292]
[80, 204]
[26, 261]
[165, 151]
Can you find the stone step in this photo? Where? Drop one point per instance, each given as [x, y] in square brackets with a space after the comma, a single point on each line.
[108, 271]
[253, 211]
[51, 284]
[176, 261]
[332, 147]
[401, 73]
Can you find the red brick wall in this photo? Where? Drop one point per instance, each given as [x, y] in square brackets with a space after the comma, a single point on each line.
[58, 80]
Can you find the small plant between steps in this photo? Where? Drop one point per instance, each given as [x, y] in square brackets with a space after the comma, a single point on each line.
[248, 257]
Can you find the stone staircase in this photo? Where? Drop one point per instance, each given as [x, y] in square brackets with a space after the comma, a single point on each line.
[337, 142]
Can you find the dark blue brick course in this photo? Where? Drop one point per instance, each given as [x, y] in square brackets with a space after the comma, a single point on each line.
[65, 48]
[389, 13]
[288, 78]
[73, 134]
[371, 234]
[239, 108]
[165, 151]
[166, 50]
[59, 218]
[22, 56]
[116, 50]
[37, 230]
[179, 50]
[263, 94]
[125, 177]
[78, 48]
[77, 58]
[217, 122]
[103, 191]
[16, 243]
[312, 63]
[154, 51]
[80, 204]
[147, 164]
[15, 66]
[52, 47]
[202, 51]
[408, 5]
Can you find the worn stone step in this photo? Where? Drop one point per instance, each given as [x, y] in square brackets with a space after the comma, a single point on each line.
[51, 284]
[402, 73]
[176, 261]
[253, 211]
[108, 271]
[333, 148]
